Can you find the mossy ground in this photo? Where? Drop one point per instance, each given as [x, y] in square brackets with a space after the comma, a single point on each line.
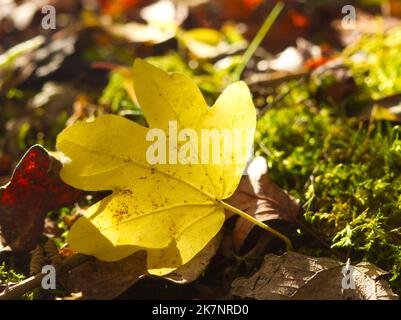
[345, 171]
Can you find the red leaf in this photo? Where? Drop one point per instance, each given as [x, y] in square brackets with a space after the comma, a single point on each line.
[115, 7]
[34, 189]
[298, 19]
[252, 4]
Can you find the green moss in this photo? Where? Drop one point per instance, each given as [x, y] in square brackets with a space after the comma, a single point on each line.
[345, 172]
[116, 95]
[8, 275]
[375, 61]
[347, 175]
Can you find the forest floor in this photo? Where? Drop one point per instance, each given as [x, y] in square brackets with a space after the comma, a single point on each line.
[328, 101]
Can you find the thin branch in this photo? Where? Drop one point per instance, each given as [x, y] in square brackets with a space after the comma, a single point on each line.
[15, 291]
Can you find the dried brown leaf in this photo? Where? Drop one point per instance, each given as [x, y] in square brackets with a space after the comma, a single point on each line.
[97, 279]
[261, 198]
[293, 276]
[192, 270]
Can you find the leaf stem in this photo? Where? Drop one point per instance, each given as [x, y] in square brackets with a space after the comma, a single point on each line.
[258, 223]
[257, 40]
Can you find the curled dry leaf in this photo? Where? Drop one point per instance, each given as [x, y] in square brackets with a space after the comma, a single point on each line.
[137, 32]
[33, 59]
[258, 196]
[105, 280]
[34, 189]
[97, 279]
[204, 43]
[366, 23]
[293, 276]
[294, 59]
[21, 14]
[163, 19]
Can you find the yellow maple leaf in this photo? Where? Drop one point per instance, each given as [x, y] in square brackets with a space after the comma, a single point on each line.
[171, 210]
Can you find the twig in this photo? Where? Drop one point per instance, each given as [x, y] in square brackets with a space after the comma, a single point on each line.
[17, 290]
